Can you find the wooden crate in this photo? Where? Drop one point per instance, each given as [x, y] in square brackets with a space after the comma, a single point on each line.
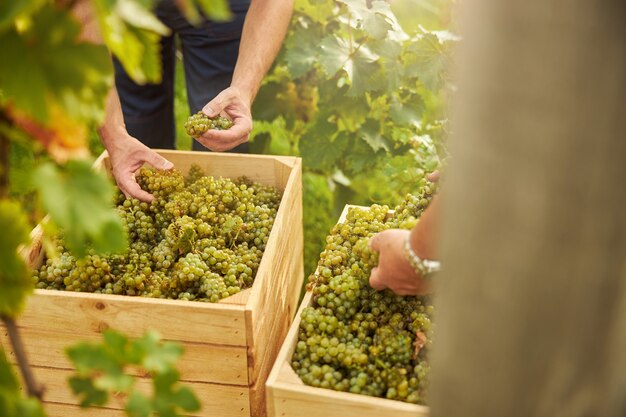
[230, 346]
[288, 396]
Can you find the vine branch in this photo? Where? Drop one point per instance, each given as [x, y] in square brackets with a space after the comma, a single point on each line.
[32, 387]
[5, 147]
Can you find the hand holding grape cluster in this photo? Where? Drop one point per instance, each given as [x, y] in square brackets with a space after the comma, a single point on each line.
[200, 123]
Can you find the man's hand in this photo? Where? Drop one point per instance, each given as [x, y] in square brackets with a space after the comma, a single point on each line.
[127, 156]
[237, 107]
[393, 270]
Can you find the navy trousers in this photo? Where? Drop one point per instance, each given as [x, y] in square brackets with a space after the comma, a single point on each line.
[209, 57]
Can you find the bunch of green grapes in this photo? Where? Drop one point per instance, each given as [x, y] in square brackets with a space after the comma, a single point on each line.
[354, 338]
[201, 239]
[199, 123]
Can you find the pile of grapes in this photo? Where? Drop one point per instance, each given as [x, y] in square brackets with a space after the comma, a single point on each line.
[199, 123]
[354, 338]
[201, 239]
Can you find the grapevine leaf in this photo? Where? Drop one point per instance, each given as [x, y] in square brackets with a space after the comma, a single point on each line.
[408, 112]
[89, 395]
[361, 157]
[49, 64]
[9, 10]
[157, 356]
[322, 153]
[14, 279]
[359, 63]
[319, 11]
[114, 382]
[135, 14]
[335, 53]
[137, 48]
[279, 136]
[427, 59]
[186, 399]
[217, 10]
[302, 51]
[370, 132]
[79, 201]
[138, 405]
[8, 381]
[88, 357]
[375, 20]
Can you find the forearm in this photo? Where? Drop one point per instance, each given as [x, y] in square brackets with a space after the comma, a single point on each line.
[113, 129]
[263, 32]
[424, 236]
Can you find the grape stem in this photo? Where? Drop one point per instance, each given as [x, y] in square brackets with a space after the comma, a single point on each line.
[32, 387]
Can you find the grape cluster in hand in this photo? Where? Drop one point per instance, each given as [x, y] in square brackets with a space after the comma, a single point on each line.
[354, 338]
[199, 123]
[202, 238]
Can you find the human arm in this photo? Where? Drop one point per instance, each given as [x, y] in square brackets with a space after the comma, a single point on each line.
[394, 270]
[127, 154]
[263, 32]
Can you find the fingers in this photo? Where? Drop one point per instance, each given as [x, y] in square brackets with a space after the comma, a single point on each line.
[158, 161]
[223, 140]
[376, 280]
[433, 176]
[374, 242]
[130, 188]
[214, 107]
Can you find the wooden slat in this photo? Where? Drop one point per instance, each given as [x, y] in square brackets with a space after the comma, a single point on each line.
[87, 314]
[303, 401]
[216, 400]
[199, 363]
[273, 301]
[68, 410]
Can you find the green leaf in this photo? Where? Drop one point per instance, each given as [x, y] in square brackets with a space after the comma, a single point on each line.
[49, 65]
[370, 133]
[87, 392]
[158, 356]
[14, 275]
[302, 50]
[10, 10]
[88, 357]
[12, 401]
[138, 405]
[79, 201]
[408, 111]
[133, 13]
[217, 10]
[361, 158]
[137, 47]
[375, 20]
[186, 399]
[428, 58]
[8, 381]
[321, 153]
[114, 382]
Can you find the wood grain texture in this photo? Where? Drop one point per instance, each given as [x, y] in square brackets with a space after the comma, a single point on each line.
[216, 400]
[200, 362]
[232, 342]
[72, 313]
[278, 287]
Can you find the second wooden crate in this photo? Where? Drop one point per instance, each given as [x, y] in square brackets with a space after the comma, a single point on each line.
[288, 396]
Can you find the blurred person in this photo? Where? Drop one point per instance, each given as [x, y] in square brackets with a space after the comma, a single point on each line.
[224, 66]
[531, 298]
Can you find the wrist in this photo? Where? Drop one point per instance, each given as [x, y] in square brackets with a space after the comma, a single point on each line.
[246, 92]
[421, 266]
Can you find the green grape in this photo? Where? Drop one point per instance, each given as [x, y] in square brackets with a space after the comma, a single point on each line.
[201, 239]
[199, 123]
[354, 338]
